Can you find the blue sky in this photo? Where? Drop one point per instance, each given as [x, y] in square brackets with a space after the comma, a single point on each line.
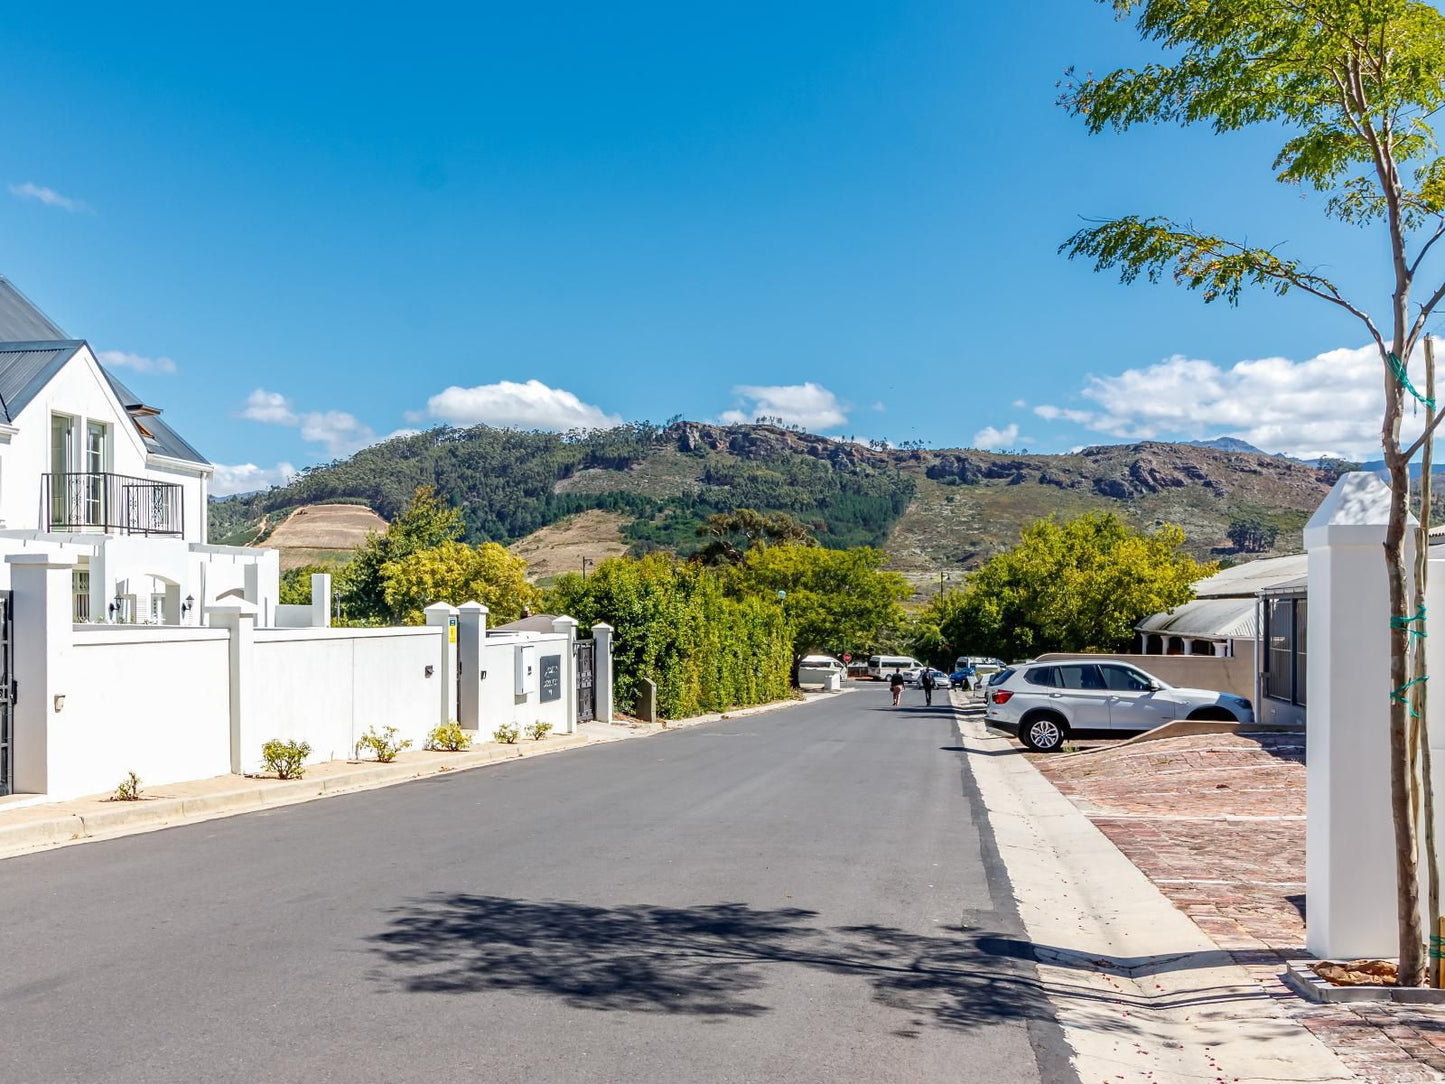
[300, 230]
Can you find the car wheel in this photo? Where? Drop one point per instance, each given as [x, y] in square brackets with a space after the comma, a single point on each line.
[1044, 733]
[1216, 715]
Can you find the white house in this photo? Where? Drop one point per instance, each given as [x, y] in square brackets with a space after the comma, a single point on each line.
[89, 469]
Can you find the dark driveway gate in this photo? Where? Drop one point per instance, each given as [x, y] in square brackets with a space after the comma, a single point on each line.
[7, 697]
[586, 655]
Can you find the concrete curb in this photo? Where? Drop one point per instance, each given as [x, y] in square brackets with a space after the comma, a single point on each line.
[124, 818]
[1300, 977]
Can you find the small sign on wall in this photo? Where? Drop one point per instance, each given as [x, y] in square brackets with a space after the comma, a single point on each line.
[551, 677]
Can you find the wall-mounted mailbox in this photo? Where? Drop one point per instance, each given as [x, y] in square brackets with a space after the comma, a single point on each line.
[526, 676]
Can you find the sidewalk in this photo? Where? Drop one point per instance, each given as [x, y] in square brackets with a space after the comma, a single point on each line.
[30, 827]
[1217, 823]
[1141, 992]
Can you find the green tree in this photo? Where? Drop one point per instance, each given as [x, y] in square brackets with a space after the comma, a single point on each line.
[454, 573]
[1078, 585]
[729, 535]
[677, 625]
[424, 523]
[1353, 87]
[296, 583]
[835, 600]
[1252, 535]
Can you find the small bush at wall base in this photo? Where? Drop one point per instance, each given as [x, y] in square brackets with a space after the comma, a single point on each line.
[129, 789]
[383, 746]
[539, 730]
[506, 734]
[449, 737]
[286, 758]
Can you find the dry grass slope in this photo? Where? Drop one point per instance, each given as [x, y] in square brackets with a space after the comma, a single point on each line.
[560, 548]
[322, 532]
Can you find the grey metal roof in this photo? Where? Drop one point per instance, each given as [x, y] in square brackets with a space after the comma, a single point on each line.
[1254, 576]
[1217, 618]
[21, 321]
[535, 623]
[163, 439]
[26, 367]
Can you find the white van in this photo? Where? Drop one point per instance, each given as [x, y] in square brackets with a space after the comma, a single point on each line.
[885, 666]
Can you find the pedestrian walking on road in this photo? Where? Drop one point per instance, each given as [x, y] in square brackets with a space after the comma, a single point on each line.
[895, 684]
[926, 680]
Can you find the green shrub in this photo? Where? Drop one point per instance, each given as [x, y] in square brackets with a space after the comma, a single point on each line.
[539, 730]
[449, 736]
[383, 746]
[286, 758]
[506, 734]
[129, 789]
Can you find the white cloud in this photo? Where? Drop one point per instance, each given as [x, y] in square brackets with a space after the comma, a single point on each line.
[1330, 404]
[247, 478]
[119, 359]
[1020, 403]
[270, 407]
[340, 432]
[809, 405]
[50, 197]
[508, 404]
[879, 407]
[990, 437]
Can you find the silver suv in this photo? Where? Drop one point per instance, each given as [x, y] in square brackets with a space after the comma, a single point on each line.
[1044, 701]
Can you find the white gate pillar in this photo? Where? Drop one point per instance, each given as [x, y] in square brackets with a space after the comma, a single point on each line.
[40, 585]
[440, 615]
[1349, 834]
[471, 636]
[238, 616]
[567, 626]
[602, 670]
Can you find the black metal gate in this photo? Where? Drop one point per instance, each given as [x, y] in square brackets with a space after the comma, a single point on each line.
[586, 656]
[7, 697]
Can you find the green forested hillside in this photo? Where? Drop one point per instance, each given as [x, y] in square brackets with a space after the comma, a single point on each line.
[933, 510]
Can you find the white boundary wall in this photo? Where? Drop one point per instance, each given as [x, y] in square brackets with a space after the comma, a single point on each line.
[152, 701]
[178, 703]
[328, 686]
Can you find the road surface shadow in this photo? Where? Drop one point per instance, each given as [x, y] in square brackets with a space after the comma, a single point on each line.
[710, 960]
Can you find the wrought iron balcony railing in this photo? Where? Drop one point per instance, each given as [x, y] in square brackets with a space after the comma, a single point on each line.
[114, 503]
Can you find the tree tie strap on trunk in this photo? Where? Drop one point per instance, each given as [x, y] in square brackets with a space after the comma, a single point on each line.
[1437, 947]
[1398, 368]
[1402, 694]
[1399, 621]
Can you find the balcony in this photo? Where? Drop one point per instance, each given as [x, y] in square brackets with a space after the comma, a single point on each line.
[113, 503]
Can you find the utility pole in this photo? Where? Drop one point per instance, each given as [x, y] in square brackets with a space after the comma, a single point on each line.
[587, 563]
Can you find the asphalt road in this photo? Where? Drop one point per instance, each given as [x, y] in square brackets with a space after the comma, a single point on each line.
[805, 895]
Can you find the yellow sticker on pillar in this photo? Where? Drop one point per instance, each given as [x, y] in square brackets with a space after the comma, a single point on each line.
[452, 630]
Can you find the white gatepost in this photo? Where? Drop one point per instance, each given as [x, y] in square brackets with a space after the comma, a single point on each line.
[40, 585]
[238, 617]
[567, 626]
[1349, 833]
[471, 637]
[320, 600]
[440, 615]
[602, 671]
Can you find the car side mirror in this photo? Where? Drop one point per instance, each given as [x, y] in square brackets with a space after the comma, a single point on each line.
[1154, 686]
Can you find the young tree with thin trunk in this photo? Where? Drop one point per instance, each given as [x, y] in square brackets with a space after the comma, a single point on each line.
[1356, 85]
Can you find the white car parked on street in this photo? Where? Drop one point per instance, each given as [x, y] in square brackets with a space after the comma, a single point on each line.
[1043, 702]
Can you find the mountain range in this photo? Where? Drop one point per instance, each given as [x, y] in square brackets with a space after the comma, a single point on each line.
[642, 486]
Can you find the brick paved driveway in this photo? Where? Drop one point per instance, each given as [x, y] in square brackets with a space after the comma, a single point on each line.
[1217, 822]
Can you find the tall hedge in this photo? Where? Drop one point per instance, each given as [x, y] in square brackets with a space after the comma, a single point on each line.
[677, 625]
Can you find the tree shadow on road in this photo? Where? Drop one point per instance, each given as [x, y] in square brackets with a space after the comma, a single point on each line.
[710, 961]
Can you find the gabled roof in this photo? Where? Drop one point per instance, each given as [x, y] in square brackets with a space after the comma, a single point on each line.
[1209, 618]
[158, 437]
[21, 321]
[1244, 581]
[26, 367]
[33, 349]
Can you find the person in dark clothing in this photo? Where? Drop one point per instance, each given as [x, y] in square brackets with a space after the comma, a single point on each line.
[925, 679]
[895, 685]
